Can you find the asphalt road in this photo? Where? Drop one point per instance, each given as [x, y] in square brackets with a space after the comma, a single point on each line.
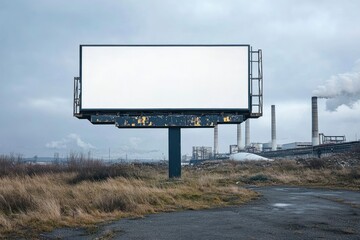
[281, 213]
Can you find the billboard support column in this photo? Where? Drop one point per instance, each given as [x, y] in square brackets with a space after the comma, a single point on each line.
[174, 152]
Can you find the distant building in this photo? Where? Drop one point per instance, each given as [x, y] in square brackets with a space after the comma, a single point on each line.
[201, 153]
[254, 147]
[296, 145]
[233, 149]
[268, 147]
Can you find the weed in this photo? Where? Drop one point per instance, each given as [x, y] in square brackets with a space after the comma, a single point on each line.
[259, 178]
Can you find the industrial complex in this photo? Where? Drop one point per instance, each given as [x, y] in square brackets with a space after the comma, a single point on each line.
[320, 145]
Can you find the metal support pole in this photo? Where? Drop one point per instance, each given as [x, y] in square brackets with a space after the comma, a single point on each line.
[174, 152]
[216, 140]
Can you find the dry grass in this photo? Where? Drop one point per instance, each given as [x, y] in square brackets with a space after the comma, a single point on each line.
[35, 198]
[312, 172]
[74, 196]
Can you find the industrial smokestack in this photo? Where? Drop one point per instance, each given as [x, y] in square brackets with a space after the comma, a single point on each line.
[315, 121]
[239, 143]
[216, 140]
[273, 129]
[247, 133]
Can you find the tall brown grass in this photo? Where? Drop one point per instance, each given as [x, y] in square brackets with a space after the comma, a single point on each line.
[35, 198]
[312, 172]
[81, 192]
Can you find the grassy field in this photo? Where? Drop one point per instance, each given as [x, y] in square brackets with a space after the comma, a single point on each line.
[35, 198]
[82, 192]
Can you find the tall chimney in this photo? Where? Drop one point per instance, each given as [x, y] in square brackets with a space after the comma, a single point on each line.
[315, 121]
[216, 140]
[273, 129]
[239, 143]
[247, 132]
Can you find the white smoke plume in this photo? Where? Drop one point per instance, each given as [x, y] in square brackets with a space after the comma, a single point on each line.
[69, 141]
[340, 89]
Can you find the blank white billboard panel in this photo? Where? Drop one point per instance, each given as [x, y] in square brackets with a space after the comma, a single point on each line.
[164, 77]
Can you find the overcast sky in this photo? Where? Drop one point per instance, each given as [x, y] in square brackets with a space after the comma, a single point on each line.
[309, 47]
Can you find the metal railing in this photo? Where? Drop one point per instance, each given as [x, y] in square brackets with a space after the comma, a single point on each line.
[331, 139]
[77, 96]
[256, 83]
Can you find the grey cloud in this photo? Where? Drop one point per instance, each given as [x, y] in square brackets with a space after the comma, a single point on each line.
[136, 146]
[303, 43]
[56, 105]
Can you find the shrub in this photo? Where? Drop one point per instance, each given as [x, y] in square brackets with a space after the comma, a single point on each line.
[258, 178]
[316, 163]
[97, 171]
[85, 169]
[287, 165]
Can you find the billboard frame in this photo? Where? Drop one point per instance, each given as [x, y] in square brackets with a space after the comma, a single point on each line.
[163, 111]
[157, 118]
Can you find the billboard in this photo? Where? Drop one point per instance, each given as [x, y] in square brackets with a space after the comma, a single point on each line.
[161, 78]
